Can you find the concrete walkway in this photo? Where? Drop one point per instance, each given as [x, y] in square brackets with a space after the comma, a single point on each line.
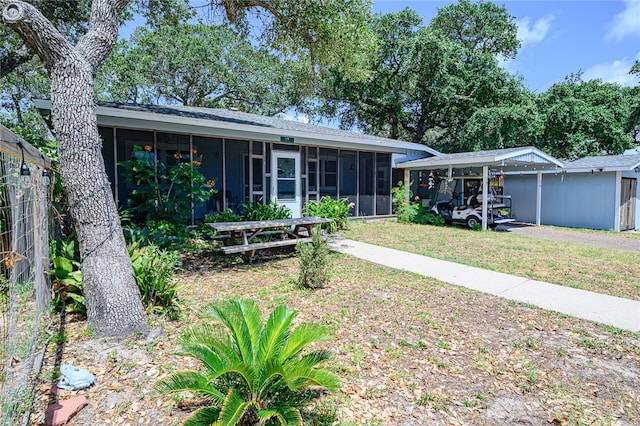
[615, 311]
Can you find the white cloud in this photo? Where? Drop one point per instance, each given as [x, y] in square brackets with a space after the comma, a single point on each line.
[627, 22]
[532, 34]
[613, 72]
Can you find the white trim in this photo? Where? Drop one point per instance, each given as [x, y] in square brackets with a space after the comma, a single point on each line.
[485, 197]
[617, 200]
[294, 205]
[538, 197]
[143, 120]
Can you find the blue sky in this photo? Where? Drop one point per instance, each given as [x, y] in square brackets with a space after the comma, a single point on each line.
[599, 38]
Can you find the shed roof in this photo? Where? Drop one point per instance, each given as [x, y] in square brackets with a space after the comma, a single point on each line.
[230, 123]
[505, 158]
[605, 163]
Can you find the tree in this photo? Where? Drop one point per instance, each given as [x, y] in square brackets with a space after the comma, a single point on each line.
[69, 16]
[332, 32]
[146, 69]
[585, 118]
[429, 80]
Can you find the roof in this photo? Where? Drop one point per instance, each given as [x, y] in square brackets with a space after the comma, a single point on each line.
[605, 163]
[508, 158]
[230, 123]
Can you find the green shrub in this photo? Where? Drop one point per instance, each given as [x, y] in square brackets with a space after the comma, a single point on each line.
[227, 215]
[258, 211]
[161, 192]
[66, 276]
[406, 211]
[313, 261]
[253, 372]
[154, 269]
[327, 207]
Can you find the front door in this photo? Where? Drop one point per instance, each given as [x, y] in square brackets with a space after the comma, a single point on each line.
[286, 189]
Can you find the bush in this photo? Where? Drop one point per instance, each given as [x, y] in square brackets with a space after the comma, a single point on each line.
[66, 276]
[327, 207]
[313, 261]
[253, 372]
[258, 211]
[227, 215]
[406, 211]
[154, 269]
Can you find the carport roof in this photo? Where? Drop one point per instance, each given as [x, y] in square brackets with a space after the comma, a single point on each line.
[506, 158]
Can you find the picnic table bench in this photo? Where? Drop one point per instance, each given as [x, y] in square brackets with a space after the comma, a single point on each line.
[239, 237]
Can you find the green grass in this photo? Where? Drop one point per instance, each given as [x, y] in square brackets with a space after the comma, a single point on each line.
[613, 272]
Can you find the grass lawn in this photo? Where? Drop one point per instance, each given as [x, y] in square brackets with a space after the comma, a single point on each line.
[613, 272]
[409, 350]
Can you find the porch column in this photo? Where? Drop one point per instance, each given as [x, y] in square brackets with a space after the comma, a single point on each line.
[406, 184]
[538, 197]
[485, 195]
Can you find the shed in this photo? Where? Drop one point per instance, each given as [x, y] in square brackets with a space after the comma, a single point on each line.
[599, 192]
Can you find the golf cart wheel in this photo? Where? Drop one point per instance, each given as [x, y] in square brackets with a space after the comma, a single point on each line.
[472, 222]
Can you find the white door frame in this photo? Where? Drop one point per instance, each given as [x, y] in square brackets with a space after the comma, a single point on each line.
[294, 204]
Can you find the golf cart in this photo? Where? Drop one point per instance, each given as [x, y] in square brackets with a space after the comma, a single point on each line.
[449, 206]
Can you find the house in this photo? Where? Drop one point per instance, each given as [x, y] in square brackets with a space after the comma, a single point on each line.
[598, 192]
[256, 158]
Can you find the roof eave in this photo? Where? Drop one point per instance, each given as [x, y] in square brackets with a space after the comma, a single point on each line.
[109, 116]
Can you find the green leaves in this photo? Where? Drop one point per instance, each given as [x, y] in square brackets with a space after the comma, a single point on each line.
[252, 370]
[585, 118]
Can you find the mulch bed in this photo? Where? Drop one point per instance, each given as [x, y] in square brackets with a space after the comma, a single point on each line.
[409, 350]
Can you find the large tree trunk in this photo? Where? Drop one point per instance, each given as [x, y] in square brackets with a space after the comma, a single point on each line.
[112, 296]
[110, 289]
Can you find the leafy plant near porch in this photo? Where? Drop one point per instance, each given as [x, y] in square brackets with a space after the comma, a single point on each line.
[406, 211]
[254, 372]
[258, 211]
[165, 193]
[327, 207]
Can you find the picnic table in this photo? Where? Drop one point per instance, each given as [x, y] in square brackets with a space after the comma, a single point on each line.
[239, 237]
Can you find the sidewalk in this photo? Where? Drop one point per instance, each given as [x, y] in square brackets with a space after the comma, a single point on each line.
[615, 311]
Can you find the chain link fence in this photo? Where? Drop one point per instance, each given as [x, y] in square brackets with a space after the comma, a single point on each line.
[24, 262]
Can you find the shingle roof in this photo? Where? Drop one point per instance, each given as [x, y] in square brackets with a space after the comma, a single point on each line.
[503, 157]
[617, 162]
[243, 118]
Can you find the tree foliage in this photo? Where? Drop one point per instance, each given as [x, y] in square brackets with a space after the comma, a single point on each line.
[585, 118]
[428, 80]
[146, 69]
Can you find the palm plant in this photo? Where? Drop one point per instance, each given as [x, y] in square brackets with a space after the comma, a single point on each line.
[253, 372]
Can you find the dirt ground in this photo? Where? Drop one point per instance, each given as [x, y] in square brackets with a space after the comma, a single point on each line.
[409, 350]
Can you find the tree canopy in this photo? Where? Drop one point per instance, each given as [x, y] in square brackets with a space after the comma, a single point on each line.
[428, 80]
[146, 69]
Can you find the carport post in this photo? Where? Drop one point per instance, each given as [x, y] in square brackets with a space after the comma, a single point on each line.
[485, 195]
[538, 197]
[407, 182]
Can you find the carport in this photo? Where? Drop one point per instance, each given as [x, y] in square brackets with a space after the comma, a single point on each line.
[522, 160]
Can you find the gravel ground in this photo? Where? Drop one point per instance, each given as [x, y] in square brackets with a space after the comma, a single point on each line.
[619, 241]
